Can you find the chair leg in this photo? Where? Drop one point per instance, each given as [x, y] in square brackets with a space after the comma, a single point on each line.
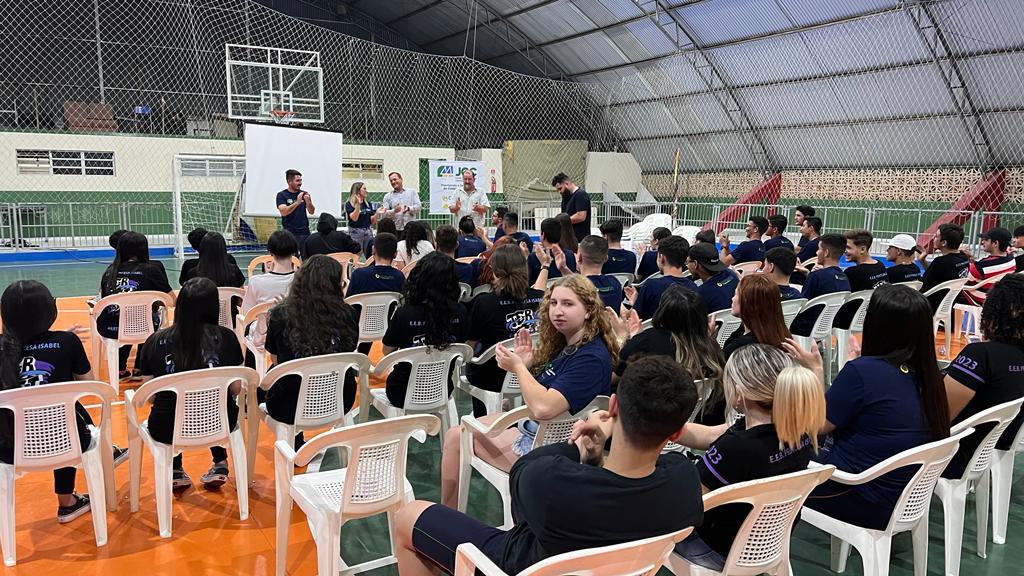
[252, 433]
[93, 468]
[134, 471]
[112, 364]
[920, 539]
[237, 445]
[506, 503]
[1002, 480]
[953, 508]
[840, 551]
[876, 562]
[163, 469]
[465, 466]
[7, 529]
[827, 358]
[842, 345]
[328, 548]
[982, 493]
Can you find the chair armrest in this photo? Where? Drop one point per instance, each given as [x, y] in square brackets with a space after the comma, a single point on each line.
[484, 356]
[388, 362]
[426, 423]
[471, 423]
[130, 414]
[284, 452]
[469, 559]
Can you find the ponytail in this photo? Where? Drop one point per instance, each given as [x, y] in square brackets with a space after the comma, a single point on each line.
[798, 408]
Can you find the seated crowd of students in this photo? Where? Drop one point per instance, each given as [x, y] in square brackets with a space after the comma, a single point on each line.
[579, 334]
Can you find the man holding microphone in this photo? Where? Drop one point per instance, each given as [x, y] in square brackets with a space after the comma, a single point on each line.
[469, 201]
[295, 204]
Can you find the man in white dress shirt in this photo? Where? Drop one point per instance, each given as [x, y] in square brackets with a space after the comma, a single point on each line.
[401, 204]
[469, 201]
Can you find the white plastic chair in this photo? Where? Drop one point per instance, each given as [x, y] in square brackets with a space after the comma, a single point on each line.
[226, 295]
[822, 329]
[1002, 478]
[134, 325]
[46, 438]
[746, 267]
[944, 311]
[705, 388]
[263, 261]
[856, 325]
[812, 261]
[348, 260]
[909, 515]
[200, 421]
[510, 386]
[637, 558]
[624, 278]
[687, 232]
[728, 324]
[790, 309]
[465, 292]
[251, 330]
[427, 392]
[320, 402]
[762, 543]
[372, 482]
[374, 313]
[953, 492]
[912, 284]
[553, 431]
[970, 311]
[481, 289]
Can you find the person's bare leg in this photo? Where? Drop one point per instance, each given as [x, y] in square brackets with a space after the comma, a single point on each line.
[410, 563]
[496, 451]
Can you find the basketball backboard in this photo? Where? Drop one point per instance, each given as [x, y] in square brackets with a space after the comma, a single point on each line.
[274, 84]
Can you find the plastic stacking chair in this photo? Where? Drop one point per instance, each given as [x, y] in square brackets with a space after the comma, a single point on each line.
[467, 259]
[746, 267]
[1002, 478]
[200, 421]
[638, 558]
[374, 313]
[259, 261]
[251, 330]
[624, 278]
[510, 386]
[822, 330]
[705, 388]
[856, 325]
[372, 482]
[953, 492]
[427, 393]
[790, 309]
[227, 295]
[46, 438]
[134, 325]
[727, 324]
[465, 292]
[909, 515]
[944, 311]
[912, 284]
[762, 544]
[321, 397]
[812, 261]
[553, 431]
[348, 260]
[481, 289]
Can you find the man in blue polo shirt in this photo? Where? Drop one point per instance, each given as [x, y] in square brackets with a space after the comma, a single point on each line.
[671, 260]
[381, 276]
[295, 205]
[826, 278]
[749, 250]
[779, 263]
[777, 234]
[510, 224]
[718, 282]
[620, 261]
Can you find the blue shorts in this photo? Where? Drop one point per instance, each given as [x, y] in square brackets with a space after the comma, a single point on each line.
[439, 530]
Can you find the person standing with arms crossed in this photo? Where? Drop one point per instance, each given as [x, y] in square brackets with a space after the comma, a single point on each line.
[401, 204]
[575, 203]
[469, 201]
[295, 205]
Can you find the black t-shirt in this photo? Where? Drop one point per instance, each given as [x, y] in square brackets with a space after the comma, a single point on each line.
[297, 222]
[808, 248]
[995, 372]
[574, 203]
[494, 318]
[650, 342]
[237, 279]
[407, 329]
[903, 273]
[943, 269]
[648, 265]
[737, 340]
[334, 242]
[866, 276]
[186, 267]
[1020, 262]
[130, 277]
[737, 456]
[560, 505]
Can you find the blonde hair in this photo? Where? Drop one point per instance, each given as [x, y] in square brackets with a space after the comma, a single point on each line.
[552, 342]
[768, 377]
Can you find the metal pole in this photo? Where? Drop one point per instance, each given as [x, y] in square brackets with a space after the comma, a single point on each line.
[99, 50]
[71, 219]
[179, 243]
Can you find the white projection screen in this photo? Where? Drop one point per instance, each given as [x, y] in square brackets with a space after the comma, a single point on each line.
[271, 150]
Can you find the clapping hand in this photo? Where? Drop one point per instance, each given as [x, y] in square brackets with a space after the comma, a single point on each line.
[810, 359]
[626, 323]
[542, 254]
[521, 355]
[724, 240]
[590, 436]
[560, 262]
[630, 293]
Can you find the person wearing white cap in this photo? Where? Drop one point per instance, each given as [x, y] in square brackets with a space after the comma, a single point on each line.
[900, 250]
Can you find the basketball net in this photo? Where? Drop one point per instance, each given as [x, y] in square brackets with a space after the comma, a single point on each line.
[282, 116]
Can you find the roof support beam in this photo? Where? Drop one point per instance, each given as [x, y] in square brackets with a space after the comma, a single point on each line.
[946, 62]
[423, 8]
[506, 16]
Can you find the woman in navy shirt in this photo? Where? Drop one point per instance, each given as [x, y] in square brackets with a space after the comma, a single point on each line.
[361, 215]
[571, 366]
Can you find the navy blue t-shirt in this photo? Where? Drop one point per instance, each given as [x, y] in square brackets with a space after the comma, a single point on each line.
[776, 241]
[749, 251]
[375, 279]
[499, 232]
[789, 293]
[576, 202]
[553, 272]
[718, 290]
[819, 281]
[808, 249]
[297, 222]
[609, 289]
[522, 237]
[467, 272]
[580, 375]
[650, 293]
[469, 246]
[619, 261]
[648, 265]
[366, 211]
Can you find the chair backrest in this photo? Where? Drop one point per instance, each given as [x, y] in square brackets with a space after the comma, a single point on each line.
[864, 297]
[688, 232]
[481, 289]
[762, 542]
[987, 283]
[912, 284]
[375, 472]
[263, 260]
[557, 429]
[729, 324]
[952, 289]
[831, 303]
[812, 261]
[624, 278]
[429, 374]
[510, 386]
[931, 460]
[647, 324]
[322, 386]
[746, 267]
[1001, 415]
[227, 295]
[705, 389]
[256, 318]
[45, 424]
[465, 292]
[374, 313]
[467, 259]
[407, 267]
[790, 309]
[347, 261]
[200, 413]
[135, 316]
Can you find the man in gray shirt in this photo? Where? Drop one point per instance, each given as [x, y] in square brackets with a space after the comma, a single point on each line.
[401, 204]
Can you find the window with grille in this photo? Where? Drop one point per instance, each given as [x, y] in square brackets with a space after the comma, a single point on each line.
[215, 167]
[65, 162]
[357, 169]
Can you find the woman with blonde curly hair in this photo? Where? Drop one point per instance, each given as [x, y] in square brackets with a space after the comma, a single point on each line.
[569, 368]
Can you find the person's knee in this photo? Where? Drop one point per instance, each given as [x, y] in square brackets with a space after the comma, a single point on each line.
[452, 439]
[405, 520]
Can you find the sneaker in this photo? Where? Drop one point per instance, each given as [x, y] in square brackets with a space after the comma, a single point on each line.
[120, 455]
[123, 374]
[216, 477]
[180, 480]
[66, 514]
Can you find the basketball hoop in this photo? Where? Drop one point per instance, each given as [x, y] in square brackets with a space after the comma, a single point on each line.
[282, 116]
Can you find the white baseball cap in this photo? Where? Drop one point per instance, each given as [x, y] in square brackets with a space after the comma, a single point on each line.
[903, 242]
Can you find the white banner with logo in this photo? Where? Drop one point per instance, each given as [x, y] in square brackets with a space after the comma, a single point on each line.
[446, 179]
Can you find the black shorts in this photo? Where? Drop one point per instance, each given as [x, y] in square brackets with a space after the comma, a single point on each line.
[439, 530]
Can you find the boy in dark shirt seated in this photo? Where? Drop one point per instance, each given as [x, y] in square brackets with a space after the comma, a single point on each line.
[649, 258]
[620, 260]
[568, 497]
[469, 244]
[380, 276]
[751, 249]
[900, 250]
[825, 279]
[777, 234]
[865, 274]
[950, 264]
[672, 252]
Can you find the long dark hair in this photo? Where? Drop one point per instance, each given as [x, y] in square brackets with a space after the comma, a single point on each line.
[319, 320]
[433, 285]
[414, 232]
[28, 309]
[195, 335]
[131, 246]
[898, 328]
[683, 313]
[214, 261]
[1002, 317]
[568, 240]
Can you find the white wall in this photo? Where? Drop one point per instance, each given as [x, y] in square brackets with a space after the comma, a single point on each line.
[614, 171]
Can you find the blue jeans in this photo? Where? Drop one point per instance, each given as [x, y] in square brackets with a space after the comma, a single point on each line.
[362, 236]
[696, 551]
